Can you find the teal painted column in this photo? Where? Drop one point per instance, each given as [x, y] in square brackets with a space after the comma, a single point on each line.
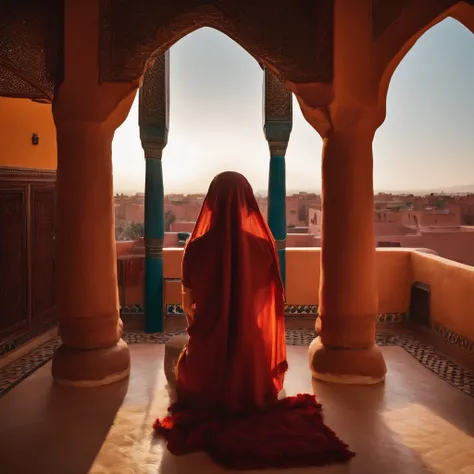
[277, 208]
[153, 120]
[154, 236]
[277, 125]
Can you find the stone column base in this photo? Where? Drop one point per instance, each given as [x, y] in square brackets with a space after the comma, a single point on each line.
[346, 366]
[173, 349]
[91, 368]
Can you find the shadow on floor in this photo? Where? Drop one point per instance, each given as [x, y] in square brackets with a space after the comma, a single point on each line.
[75, 423]
[413, 423]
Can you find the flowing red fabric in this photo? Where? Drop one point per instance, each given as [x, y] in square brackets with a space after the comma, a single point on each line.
[232, 369]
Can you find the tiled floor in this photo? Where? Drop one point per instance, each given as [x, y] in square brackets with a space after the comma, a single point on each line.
[457, 376]
[414, 423]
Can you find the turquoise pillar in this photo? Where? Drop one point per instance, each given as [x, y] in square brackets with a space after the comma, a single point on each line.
[153, 120]
[278, 122]
[154, 236]
[277, 208]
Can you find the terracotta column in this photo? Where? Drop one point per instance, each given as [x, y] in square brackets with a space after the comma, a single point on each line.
[87, 111]
[278, 122]
[345, 351]
[93, 352]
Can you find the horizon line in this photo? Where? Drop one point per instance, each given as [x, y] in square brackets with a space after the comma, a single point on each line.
[318, 192]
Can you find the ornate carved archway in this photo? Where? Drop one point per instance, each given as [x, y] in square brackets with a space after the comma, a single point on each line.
[297, 43]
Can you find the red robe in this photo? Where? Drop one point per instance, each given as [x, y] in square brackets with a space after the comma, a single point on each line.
[230, 373]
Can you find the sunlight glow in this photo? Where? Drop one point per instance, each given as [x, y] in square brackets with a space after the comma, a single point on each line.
[442, 447]
[216, 120]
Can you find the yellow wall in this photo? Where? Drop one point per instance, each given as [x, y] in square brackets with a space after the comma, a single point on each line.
[19, 119]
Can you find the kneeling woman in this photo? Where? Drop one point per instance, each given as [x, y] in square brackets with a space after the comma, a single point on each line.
[232, 369]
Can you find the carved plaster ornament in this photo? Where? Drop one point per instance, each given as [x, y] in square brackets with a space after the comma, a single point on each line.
[278, 113]
[153, 115]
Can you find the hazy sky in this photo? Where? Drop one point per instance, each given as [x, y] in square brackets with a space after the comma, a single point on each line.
[427, 140]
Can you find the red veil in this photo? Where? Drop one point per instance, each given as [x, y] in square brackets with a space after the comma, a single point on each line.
[236, 356]
[230, 374]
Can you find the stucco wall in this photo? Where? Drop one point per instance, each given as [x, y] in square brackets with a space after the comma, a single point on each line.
[302, 275]
[452, 291]
[300, 240]
[452, 284]
[124, 247]
[387, 228]
[19, 119]
[457, 246]
[182, 226]
[394, 279]
[302, 278]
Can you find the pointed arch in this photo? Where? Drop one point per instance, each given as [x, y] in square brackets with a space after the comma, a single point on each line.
[273, 33]
[411, 25]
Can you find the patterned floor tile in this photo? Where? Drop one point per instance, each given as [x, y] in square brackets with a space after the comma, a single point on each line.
[14, 373]
[456, 376]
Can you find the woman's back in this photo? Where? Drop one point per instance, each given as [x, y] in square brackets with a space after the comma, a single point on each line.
[228, 364]
[235, 360]
[236, 356]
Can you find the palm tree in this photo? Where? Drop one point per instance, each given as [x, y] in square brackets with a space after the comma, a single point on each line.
[136, 230]
[170, 217]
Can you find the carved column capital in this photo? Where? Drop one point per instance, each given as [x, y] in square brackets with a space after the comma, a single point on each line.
[278, 114]
[154, 107]
[277, 148]
[153, 151]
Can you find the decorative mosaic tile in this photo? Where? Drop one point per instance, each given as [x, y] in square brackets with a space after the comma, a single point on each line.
[441, 366]
[171, 309]
[452, 337]
[290, 310]
[19, 340]
[456, 376]
[139, 337]
[294, 337]
[132, 309]
[301, 309]
[393, 318]
[174, 309]
[14, 373]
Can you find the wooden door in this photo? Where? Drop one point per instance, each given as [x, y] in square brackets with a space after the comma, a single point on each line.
[13, 259]
[42, 222]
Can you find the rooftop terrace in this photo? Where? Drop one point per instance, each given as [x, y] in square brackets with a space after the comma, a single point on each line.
[420, 420]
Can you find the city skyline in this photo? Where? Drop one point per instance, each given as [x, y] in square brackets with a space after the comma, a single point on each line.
[216, 121]
[463, 191]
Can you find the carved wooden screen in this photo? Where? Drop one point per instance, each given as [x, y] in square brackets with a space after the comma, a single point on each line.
[42, 251]
[27, 228]
[13, 258]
